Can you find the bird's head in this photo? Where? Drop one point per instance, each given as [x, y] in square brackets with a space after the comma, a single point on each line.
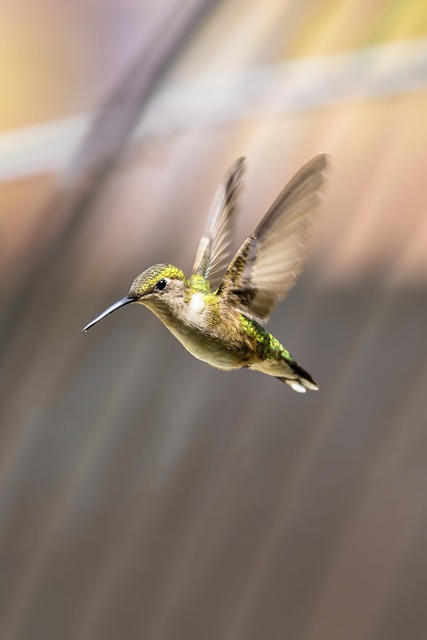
[160, 288]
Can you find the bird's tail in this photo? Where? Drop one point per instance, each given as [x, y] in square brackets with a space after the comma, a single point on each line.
[302, 380]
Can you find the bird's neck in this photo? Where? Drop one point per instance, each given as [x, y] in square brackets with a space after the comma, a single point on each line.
[198, 283]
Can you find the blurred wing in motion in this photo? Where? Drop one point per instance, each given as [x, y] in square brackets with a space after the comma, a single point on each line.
[213, 253]
[267, 264]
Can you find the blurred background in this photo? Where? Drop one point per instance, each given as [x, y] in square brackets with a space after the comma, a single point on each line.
[144, 494]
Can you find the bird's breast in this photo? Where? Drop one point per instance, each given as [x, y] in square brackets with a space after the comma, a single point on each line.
[197, 311]
[209, 333]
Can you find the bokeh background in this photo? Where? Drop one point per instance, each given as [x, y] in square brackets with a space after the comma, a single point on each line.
[142, 493]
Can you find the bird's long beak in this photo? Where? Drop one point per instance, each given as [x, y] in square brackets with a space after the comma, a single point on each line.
[116, 305]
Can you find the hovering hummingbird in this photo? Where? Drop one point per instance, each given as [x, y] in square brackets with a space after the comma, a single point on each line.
[217, 316]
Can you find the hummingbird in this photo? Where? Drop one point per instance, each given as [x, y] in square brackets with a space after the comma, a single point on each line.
[218, 312]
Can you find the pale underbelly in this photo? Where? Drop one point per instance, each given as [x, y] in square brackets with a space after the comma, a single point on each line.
[213, 351]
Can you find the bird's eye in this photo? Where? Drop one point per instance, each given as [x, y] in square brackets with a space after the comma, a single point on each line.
[161, 285]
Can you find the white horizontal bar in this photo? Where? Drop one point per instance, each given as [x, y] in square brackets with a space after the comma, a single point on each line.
[293, 86]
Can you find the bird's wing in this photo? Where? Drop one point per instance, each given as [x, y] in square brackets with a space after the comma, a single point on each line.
[213, 253]
[267, 264]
